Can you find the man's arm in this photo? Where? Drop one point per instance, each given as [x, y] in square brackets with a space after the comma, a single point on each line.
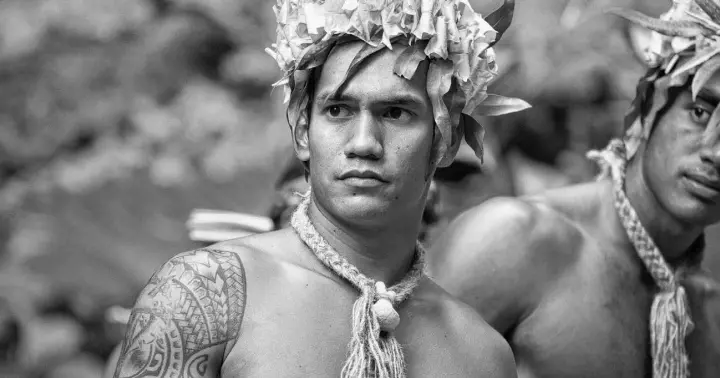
[187, 318]
[703, 343]
[500, 258]
[503, 361]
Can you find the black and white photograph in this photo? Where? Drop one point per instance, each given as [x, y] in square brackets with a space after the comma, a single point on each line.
[360, 188]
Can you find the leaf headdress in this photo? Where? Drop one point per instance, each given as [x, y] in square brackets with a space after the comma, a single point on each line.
[455, 39]
[684, 46]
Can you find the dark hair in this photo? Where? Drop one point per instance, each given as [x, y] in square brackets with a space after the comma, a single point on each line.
[310, 94]
[646, 97]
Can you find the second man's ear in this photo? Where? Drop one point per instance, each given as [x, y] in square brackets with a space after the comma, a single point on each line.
[301, 137]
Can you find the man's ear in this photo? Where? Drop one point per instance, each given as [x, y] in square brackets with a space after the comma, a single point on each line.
[301, 137]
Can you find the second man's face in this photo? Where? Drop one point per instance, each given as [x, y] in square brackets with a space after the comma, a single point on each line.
[681, 161]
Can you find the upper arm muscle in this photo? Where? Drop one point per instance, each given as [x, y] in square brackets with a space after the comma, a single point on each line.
[186, 318]
[485, 259]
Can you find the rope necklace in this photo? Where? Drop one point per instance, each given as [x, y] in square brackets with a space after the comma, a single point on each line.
[373, 349]
[670, 320]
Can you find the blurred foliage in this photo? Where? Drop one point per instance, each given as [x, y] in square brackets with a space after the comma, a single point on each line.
[94, 90]
[116, 118]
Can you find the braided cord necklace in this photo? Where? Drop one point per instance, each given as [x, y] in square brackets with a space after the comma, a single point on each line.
[670, 320]
[373, 350]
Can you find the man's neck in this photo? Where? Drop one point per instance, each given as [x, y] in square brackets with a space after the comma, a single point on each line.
[672, 237]
[384, 253]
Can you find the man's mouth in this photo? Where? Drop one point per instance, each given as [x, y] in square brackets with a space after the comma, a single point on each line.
[706, 187]
[362, 178]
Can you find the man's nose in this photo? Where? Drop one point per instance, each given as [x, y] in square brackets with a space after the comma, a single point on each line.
[710, 154]
[710, 151]
[365, 139]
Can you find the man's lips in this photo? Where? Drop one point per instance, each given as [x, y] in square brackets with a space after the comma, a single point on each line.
[361, 174]
[705, 186]
[711, 181]
[362, 179]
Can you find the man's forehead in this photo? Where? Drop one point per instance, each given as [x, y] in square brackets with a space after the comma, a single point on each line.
[711, 90]
[376, 76]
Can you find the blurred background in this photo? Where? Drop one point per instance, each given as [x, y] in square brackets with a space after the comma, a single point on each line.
[118, 118]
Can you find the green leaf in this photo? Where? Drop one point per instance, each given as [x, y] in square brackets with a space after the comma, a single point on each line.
[501, 19]
[476, 86]
[658, 101]
[710, 8]
[439, 81]
[703, 20]
[315, 54]
[407, 63]
[698, 59]
[704, 74]
[365, 52]
[474, 135]
[687, 29]
[495, 105]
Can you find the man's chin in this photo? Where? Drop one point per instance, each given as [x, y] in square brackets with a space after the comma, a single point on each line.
[696, 212]
[363, 206]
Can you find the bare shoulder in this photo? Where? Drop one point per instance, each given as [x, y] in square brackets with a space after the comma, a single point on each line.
[186, 318]
[474, 334]
[269, 248]
[495, 352]
[510, 233]
[517, 226]
[503, 256]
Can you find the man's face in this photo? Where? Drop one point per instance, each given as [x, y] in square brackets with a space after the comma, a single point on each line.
[681, 161]
[369, 147]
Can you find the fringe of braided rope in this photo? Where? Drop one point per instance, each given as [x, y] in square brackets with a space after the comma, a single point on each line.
[372, 353]
[670, 320]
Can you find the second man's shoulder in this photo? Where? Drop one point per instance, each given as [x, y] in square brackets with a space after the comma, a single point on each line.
[510, 214]
[505, 222]
[508, 232]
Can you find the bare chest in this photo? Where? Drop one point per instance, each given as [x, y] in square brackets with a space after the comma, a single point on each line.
[594, 323]
[305, 331]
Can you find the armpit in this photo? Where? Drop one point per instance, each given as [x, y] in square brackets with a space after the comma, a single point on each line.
[187, 318]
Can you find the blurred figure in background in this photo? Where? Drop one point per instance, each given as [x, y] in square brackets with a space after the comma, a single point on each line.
[9, 335]
[604, 279]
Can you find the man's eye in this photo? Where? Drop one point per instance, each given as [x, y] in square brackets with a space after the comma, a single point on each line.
[700, 114]
[397, 114]
[337, 111]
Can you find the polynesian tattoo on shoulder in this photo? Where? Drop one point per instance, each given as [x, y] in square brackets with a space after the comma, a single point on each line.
[187, 315]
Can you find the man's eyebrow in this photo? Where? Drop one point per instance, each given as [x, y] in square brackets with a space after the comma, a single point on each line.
[329, 95]
[406, 100]
[389, 100]
[709, 96]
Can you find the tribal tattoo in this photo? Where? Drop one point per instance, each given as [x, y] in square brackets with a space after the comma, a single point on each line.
[187, 318]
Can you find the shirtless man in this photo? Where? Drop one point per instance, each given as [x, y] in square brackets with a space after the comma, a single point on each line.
[293, 303]
[571, 278]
